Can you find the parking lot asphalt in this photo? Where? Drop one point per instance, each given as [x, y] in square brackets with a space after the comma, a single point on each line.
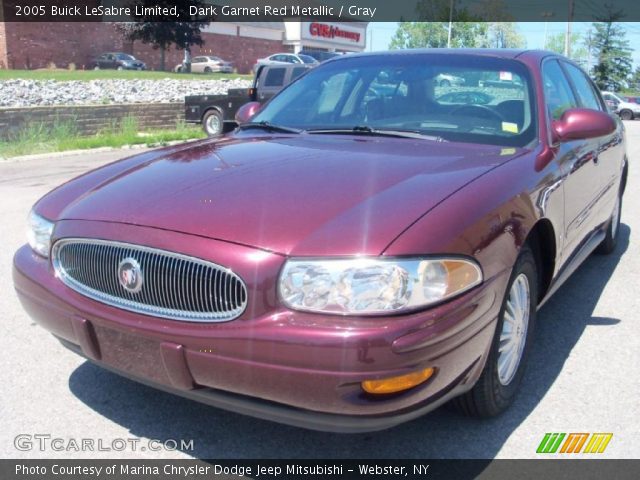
[582, 374]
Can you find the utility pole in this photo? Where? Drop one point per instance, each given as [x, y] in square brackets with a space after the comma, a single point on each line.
[546, 16]
[450, 23]
[567, 38]
[589, 47]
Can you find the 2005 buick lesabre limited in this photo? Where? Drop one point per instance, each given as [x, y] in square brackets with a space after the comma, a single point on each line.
[362, 249]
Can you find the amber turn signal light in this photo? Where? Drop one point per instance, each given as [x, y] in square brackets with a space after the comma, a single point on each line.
[397, 384]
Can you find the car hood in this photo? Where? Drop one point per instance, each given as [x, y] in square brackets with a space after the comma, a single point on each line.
[293, 194]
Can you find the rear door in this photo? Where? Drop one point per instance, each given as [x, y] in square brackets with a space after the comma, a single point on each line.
[577, 158]
[610, 156]
[198, 64]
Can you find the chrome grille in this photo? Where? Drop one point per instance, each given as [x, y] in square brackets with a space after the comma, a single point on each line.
[174, 286]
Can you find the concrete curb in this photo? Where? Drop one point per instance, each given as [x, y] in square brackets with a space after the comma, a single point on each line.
[66, 153]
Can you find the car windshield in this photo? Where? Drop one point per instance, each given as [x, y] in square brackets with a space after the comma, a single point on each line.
[124, 56]
[307, 59]
[464, 98]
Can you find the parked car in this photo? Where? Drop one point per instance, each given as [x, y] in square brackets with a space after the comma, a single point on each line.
[447, 80]
[320, 55]
[207, 64]
[278, 58]
[339, 261]
[632, 99]
[118, 61]
[217, 113]
[626, 110]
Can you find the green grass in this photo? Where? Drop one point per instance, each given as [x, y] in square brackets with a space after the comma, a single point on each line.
[86, 75]
[62, 136]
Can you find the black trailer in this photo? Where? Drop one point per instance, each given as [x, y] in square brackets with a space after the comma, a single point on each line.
[217, 113]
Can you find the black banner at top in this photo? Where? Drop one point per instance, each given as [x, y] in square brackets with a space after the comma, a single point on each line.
[339, 10]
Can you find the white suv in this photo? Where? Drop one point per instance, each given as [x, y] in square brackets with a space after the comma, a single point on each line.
[626, 110]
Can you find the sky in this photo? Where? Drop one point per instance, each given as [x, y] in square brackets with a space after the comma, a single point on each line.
[379, 34]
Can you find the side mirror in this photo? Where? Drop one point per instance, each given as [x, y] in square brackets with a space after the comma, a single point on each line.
[246, 111]
[581, 124]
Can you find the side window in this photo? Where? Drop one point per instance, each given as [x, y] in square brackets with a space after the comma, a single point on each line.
[296, 72]
[557, 92]
[584, 88]
[275, 77]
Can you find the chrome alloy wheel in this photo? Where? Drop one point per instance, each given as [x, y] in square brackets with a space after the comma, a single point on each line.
[514, 329]
[213, 124]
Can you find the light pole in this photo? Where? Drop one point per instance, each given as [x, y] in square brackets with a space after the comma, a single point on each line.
[450, 23]
[546, 16]
[567, 38]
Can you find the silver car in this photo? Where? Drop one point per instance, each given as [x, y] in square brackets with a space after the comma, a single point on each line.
[208, 64]
[285, 58]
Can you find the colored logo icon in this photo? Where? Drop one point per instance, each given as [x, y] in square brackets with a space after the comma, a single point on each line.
[574, 443]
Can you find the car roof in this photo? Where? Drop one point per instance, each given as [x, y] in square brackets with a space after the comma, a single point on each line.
[508, 53]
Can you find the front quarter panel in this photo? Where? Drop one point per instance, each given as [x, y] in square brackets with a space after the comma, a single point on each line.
[490, 218]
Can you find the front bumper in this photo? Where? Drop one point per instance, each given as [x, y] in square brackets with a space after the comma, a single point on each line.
[291, 367]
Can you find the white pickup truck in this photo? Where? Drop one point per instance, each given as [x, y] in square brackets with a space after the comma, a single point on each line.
[626, 110]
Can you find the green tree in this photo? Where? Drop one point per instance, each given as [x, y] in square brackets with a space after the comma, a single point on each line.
[161, 35]
[463, 35]
[614, 63]
[579, 47]
[635, 79]
[505, 35]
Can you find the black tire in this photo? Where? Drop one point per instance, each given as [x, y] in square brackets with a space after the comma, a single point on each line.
[207, 70]
[626, 114]
[610, 241]
[212, 123]
[490, 396]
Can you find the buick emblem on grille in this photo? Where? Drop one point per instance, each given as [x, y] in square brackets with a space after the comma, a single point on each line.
[130, 275]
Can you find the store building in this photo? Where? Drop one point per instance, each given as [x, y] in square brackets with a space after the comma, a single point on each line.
[326, 36]
[30, 46]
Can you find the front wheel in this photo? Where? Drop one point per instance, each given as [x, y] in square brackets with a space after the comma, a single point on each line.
[499, 381]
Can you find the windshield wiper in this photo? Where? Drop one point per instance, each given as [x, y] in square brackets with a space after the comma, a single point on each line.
[264, 125]
[383, 132]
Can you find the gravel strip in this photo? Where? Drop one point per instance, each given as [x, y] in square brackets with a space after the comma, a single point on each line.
[37, 93]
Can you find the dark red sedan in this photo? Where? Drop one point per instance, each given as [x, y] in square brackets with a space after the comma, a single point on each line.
[354, 255]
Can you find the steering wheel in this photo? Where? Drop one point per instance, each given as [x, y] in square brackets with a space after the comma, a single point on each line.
[481, 111]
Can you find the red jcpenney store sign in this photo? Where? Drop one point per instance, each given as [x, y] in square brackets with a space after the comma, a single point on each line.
[330, 31]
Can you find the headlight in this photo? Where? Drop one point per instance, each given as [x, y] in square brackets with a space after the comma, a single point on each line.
[362, 286]
[39, 234]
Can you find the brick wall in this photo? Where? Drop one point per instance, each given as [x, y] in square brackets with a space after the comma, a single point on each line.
[36, 45]
[91, 119]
